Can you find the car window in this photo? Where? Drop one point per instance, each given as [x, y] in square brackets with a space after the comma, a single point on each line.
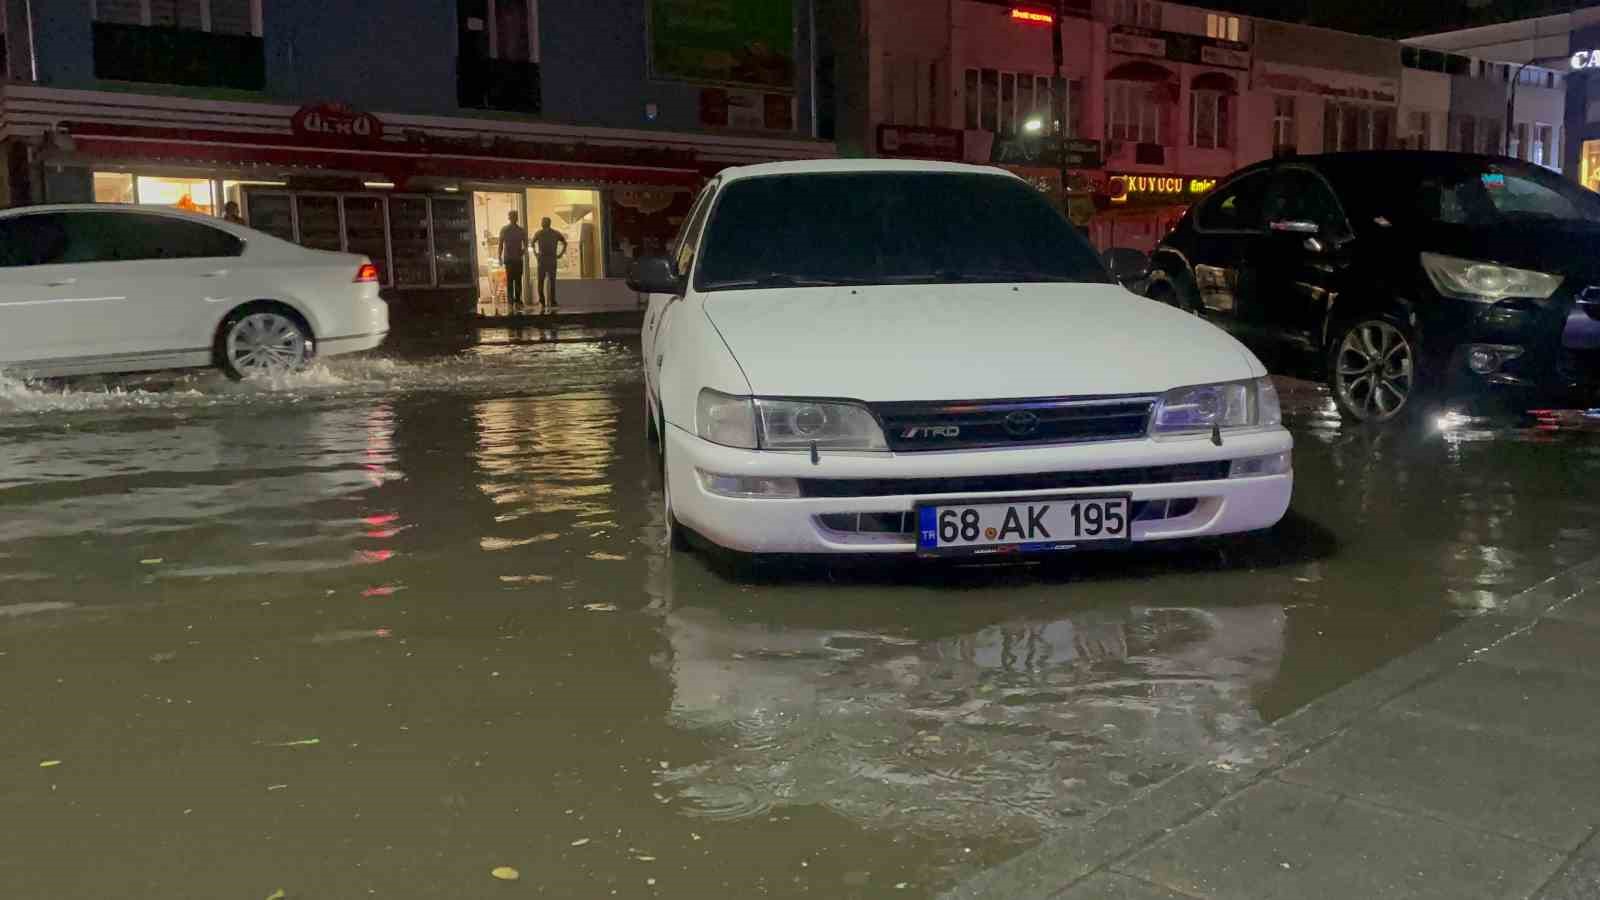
[122, 237]
[1489, 195]
[31, 240]
[888, 228]
[1235, 206]
[1301, 195]
[689, 239]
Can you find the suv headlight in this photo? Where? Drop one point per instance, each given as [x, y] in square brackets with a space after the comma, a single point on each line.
[1227, 405]
[1484, 282]
[776, 424]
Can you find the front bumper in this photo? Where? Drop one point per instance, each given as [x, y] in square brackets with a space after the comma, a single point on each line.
[799, 526]
[1557, 346]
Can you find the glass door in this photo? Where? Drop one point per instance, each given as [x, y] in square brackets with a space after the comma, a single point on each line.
[490, 212]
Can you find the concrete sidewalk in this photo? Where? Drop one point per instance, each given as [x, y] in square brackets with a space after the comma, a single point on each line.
[1469, 768]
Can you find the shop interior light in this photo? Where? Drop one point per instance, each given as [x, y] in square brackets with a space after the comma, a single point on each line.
[378, 184]
[1033, 126]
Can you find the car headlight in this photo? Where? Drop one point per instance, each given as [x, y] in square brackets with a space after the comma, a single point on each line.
[1226, 405]
[774, 424]
[1484, 282]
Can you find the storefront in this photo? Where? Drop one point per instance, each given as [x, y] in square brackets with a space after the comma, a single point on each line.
[1143, 209]
[1582, 152]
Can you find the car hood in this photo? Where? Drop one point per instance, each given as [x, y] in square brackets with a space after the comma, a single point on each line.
[969, 342]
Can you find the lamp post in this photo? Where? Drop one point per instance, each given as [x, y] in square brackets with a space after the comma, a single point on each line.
[1058, 99]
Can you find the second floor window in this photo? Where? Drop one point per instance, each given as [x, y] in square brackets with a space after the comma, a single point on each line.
[1224, 28]
[1003, 102]
[216, 16]
[1132, 112]
[1355, 126]
[1143, 13]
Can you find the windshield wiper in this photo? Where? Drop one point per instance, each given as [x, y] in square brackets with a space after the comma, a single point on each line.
[775, 279]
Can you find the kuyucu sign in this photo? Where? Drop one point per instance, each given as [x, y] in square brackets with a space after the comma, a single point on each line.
[335, 121]
[748, 43]
[1158, 189]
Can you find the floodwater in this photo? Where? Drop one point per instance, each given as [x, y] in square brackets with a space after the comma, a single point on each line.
[385, 626]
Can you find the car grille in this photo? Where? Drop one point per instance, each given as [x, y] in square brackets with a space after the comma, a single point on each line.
[993, 484]
[904, 524]
[1006, 423]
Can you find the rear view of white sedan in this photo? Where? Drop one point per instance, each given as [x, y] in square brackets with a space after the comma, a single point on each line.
[89, 289]
[876, 356]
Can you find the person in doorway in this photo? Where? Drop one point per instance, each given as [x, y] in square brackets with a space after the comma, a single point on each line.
[549, 245]
[230, 211]
[513, 254]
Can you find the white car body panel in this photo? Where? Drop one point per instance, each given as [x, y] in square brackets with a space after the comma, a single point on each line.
[938, 342]
[141, 315]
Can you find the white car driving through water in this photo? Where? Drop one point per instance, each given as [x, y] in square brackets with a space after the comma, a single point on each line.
[89, 289]
[897, 357]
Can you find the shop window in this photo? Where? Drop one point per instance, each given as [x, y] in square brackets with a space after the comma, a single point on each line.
[970, 95]
[1285, 133]
[1354, 126]
[1544, 142]
[113, 187]
[989, 94]
[1589, 165]
[490, 214]
[578, 216]
[1518, 145]
[1419, 131]
[238, 17]
[1492, 131]
[188, 194]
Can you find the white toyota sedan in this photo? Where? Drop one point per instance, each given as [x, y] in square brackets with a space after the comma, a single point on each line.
[89, 289]
[872, 356]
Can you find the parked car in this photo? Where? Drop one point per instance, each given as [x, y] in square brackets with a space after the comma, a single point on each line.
[1400, 273]
[873, 356]
[88, 289]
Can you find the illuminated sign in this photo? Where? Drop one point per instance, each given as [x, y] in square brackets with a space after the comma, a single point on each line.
[1583, 59]
[1034, 16]
[1158, 188]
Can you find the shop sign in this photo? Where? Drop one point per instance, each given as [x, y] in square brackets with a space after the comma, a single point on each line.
[1032, 16]
[1159, 189]
[736, 42]
[331, 120]
[921, 142]
[1185, 48]
[1329, 84]
[1586, 59]
[1042, 151]
[746, 110]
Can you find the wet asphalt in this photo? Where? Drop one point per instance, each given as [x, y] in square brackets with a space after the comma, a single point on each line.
[382, 627]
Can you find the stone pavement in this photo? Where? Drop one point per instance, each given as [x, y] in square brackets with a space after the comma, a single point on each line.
[1469, 768]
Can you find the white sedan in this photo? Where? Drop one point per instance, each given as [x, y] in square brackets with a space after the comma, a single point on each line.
[88, 289]
[872, 356]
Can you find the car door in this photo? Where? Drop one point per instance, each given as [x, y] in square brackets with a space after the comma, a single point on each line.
[1299, 262]
[38, 301]
[660, 309]
[171, 271]
[1227, 228]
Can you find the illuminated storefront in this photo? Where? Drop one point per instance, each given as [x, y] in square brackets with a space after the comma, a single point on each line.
[1142, 209]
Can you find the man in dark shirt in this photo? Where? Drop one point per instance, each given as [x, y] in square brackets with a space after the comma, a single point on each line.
[513, 252]
[549, 245]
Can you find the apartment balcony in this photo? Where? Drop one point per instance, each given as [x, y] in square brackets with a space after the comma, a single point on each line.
[483, 83]
[162, 55]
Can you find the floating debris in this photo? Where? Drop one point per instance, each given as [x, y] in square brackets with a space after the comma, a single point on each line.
[580, 842]
[277, 895]
[527, 579]
[505, 873]
[50, 764]
[165, 656]
[600, 607]
[152, 561]
[606, 557]
[303, 742]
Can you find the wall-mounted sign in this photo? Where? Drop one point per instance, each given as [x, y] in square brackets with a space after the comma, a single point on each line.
[746, 110]
[1189, 48]
[1349, 85]
[749, 42]
[1586, 59]
[921, 142]
[1041, 151]
[1158, 189]
[331, 120]
[1032, 16]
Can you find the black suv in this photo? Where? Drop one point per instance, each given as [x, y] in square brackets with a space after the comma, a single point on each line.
[1400, 272]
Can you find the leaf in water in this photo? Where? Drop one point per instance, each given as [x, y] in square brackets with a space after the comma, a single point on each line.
[600, 607]
[303, 742]
[505, 873]
[606, 557]
[164, 656]
[50, 764]
[152, 561]
[580, 842]
[526, 579]
[277, 895]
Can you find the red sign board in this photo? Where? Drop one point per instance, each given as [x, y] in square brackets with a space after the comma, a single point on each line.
[1032, 16]
[337, 123]
[921, 142]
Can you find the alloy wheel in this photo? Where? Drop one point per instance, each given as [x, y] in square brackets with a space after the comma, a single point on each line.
[266, 343]
[1374, 370]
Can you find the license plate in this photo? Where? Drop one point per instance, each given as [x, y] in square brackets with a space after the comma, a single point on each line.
[1022, 526]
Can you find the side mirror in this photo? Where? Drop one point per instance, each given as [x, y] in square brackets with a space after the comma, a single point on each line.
[1127, 265]
[655, 275]
[1295, 226]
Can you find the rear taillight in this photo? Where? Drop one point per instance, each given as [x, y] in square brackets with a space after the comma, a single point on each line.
[367, 274]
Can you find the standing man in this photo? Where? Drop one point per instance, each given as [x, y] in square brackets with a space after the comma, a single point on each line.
[546, 252]
[230, 211]
[513, 252]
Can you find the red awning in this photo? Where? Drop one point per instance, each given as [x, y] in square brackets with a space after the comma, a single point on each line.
[393, 160]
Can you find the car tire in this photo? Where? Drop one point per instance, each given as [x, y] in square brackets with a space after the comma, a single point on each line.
[1373, 369]
[677, 535]
[261, 340]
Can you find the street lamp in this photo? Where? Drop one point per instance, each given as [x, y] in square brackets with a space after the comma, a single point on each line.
[1033, 125]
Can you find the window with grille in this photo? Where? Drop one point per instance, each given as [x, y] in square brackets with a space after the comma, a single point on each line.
[1132, 113]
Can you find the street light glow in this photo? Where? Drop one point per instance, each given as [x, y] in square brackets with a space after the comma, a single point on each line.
[1033, 126]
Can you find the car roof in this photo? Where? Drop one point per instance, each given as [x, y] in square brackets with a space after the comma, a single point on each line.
[856, 166]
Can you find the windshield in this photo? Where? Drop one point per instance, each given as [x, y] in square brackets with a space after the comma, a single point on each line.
[1483, 193]
[888, 228]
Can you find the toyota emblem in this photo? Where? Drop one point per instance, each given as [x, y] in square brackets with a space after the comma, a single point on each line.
[1021, 423]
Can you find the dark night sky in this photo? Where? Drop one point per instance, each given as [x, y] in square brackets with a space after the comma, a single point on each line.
[1396, 18]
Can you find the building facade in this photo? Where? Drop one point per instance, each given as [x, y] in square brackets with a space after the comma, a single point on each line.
[410, 135]
[1160, 100]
